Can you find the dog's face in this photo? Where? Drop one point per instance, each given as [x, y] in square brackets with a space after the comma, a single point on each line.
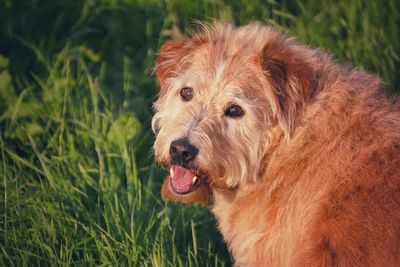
[223, 94]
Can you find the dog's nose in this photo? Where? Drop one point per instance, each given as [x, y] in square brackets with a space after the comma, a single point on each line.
[182, 151]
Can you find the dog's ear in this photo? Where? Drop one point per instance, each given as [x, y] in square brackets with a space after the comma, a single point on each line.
[289, 76]
[169, 60]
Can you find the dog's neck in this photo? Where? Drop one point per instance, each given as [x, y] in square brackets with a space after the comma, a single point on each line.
[224, 200]
[224, 194]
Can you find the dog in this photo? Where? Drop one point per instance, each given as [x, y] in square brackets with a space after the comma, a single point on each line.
[298, 156]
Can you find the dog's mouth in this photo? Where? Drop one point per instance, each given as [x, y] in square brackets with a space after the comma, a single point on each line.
[186, 185]
[182, 180]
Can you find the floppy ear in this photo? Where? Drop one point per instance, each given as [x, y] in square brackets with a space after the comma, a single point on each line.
[170, 60]
[290, 77]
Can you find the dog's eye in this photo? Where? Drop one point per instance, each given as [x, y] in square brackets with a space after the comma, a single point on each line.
[234, 111]
[187, 93]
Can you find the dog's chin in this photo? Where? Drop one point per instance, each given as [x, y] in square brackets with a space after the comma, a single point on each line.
[187, 186]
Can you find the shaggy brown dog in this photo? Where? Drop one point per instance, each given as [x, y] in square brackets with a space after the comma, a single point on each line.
[299, 156]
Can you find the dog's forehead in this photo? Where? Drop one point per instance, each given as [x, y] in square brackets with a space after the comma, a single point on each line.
[215, 76]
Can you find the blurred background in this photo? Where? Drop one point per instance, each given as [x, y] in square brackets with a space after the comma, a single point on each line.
[78, 184]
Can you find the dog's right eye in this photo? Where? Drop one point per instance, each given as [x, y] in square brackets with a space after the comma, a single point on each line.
[234, 111]
[187, 93]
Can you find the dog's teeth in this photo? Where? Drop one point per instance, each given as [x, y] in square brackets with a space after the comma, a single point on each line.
[194, 179]
[171, 172]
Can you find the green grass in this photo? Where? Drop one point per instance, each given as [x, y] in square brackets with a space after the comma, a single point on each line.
[78, 183]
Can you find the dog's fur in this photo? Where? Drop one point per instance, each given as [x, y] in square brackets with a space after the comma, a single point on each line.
[310, 175]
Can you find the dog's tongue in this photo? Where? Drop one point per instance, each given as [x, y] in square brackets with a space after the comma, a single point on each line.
[181, 178]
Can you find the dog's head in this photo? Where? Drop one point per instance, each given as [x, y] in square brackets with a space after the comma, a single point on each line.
[224, 93]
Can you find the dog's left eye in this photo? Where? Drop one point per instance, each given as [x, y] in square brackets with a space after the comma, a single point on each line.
[234, 111]
[187, 93]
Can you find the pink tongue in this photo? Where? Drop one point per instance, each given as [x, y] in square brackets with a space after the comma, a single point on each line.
[182, 178]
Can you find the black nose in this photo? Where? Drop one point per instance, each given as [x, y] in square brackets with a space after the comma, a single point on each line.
[182, 152]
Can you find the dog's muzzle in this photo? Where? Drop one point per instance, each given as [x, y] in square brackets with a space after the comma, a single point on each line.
[185, 184]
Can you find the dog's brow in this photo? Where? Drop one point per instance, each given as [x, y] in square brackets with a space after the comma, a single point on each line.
[219, 71]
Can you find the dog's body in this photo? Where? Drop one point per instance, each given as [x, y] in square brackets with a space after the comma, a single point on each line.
[300, 156]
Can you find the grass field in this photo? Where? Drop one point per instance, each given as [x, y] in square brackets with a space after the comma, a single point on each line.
[78, 183]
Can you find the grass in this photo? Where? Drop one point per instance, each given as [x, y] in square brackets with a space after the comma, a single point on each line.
[78, 186]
